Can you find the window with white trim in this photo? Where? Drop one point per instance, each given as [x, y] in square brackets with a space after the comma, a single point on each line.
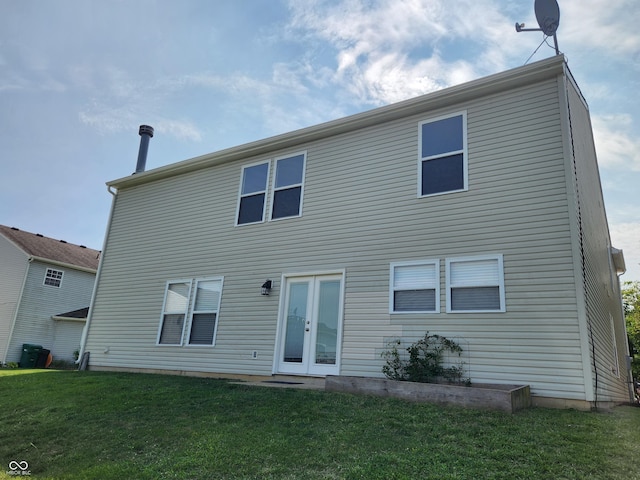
[53, 278]
[415, 287]
[191, 306]
[204, 314]
[288, 186]
[442, 162]
[253, 193]
[475, 284]
[174, 312]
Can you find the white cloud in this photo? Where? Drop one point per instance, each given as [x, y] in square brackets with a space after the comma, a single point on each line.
[615, 144]
[610, 26]
[389, 50]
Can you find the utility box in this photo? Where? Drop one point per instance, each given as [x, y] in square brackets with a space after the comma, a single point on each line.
[30, 354]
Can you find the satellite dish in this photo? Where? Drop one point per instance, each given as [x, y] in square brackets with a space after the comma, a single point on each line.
[548, 16]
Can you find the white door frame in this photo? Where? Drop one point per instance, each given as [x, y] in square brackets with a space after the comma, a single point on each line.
[307, 369]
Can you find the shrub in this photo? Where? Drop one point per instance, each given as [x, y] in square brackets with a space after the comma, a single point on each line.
[425, 361]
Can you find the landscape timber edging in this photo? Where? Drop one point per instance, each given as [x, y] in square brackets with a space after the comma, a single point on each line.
[506, 398]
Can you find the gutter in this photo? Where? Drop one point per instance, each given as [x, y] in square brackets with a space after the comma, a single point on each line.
[57, 318]
[34, 258]
[85, 331]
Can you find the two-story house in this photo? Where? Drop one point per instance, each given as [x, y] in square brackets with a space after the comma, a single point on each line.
[474, 212]
[45, 289]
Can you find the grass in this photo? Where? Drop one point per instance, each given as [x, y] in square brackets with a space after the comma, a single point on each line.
[92, 425]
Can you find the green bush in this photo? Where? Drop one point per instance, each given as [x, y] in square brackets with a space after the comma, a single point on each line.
[425, 362]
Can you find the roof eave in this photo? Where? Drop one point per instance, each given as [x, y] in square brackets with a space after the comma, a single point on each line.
[513, 78]
[33, 258]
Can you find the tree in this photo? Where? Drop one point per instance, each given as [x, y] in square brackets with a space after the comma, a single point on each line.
[631, 303]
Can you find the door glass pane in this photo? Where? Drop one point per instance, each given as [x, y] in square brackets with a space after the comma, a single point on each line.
[296, 318]
[328, 311]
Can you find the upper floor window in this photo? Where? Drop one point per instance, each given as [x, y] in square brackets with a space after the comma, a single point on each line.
[475, 284]
[253, 191]
[415, 287]
[442, 165]
[53, 277]
[287, 187]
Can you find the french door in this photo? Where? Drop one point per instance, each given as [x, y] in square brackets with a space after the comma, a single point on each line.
[311, 325]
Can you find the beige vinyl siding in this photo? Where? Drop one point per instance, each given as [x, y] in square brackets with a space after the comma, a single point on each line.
[66, 339]
[361, 213]
[13, 265]
[40, 302]
[601, 284]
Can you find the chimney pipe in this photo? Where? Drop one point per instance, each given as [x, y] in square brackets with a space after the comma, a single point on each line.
[145, 132]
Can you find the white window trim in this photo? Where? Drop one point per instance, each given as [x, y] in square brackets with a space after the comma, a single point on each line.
[46, 276]
[393, 265]
[192, 304]
[499, 258]
[266, 190]
[464, 151]
[163, 313]
[293, 185]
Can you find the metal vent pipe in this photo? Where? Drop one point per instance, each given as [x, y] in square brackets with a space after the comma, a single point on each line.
[145, 132]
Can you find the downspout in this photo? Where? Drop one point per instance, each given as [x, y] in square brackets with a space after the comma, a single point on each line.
[85, 331]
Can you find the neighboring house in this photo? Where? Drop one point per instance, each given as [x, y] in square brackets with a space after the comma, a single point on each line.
[41, 278]
[474, 212]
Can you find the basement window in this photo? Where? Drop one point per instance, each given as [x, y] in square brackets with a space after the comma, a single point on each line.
[53, 278]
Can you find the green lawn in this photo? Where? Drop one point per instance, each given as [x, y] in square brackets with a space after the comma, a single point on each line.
[90, 425]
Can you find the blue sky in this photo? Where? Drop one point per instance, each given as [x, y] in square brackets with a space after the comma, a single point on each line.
[77, 78]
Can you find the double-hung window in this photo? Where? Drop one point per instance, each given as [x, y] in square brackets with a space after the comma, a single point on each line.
[415, 287]
[442, 162]
[287, 187]
[174, 312]
[475, 284]
[253, 193]
[190, 305]
[206, 303]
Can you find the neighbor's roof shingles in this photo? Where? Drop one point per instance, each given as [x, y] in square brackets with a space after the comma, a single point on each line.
[37, 245]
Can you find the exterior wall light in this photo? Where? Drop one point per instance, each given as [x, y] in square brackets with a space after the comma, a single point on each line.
[266, 287]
